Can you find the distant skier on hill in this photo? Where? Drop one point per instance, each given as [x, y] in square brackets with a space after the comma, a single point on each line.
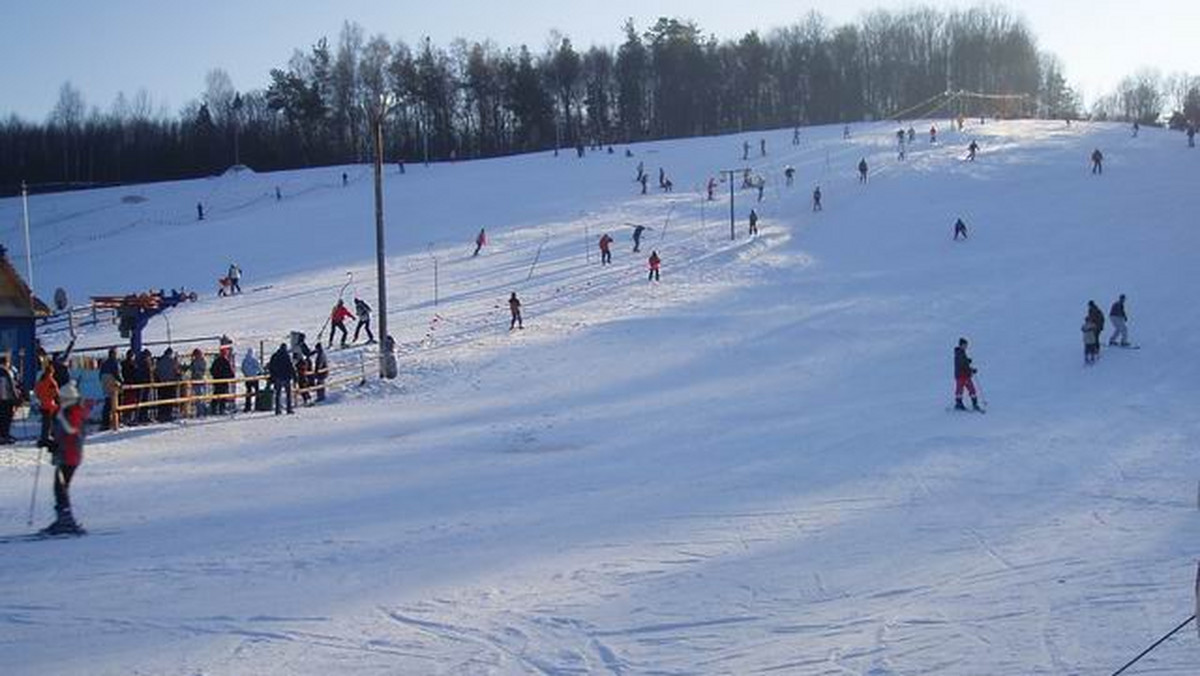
[1191, 134]
[971, 150]
[235, 279]
[655, 264]
[762, 147]
[606, 249]
[1097, 161]
[753, 223]
[912, 134]
[817, 199]
[644, 179]
[712, 187]
[481, 238]
[862, 170]
[345, 179]
[337, 322]
[637, 237]
[199, 211]
[846, 131]
[960, 228]
[1136, 128]
[1120, 334]
[759, 184]
[796, 136]
[745, 150]
[514, 309]
[933, 134]
[963, 372]
[641, 171]
[789, 174]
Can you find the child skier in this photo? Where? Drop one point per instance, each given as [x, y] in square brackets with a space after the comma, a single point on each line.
[67, 454]
[862, 170]
[655, 263]
[963, 372]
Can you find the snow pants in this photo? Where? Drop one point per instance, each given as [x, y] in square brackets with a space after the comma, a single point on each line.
[1120, 334]
[364, 323]
[62, 489]
[961, 383]
[338, 326]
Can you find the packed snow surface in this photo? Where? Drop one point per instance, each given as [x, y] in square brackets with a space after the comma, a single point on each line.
[747, 468]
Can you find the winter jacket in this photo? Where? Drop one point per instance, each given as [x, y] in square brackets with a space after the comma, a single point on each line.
[198, 368]
[1118, 310]
[362, 309]
[250, 365]
[167, 369]
[221, 369]
[68, 435]
[1096, 316]
[320, 364]
[280, 367]
[962, 363]
[655, 261]
[340, 314]
[605, 241]
[110, 376]
[46, 391]
[1091, 335]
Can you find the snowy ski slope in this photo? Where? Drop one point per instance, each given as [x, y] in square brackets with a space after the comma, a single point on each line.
[744, 469]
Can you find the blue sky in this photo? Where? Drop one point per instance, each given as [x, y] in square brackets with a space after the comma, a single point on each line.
[167, 47]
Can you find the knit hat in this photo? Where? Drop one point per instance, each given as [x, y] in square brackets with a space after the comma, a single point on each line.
[68, 394]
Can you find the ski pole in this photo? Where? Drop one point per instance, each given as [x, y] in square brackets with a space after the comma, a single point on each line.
[979, 386]
[37, 475]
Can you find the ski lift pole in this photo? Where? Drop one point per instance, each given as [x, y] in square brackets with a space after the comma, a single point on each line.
[37, 475]
[28, 248]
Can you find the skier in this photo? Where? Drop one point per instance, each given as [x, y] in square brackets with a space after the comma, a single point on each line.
[1191, 134]
[67, 455]
[605, 249]
[753, 222]
[514, 309]
[320, 371]
[278, 195]
[662, 178]
[46, 391]
[10, 398]
[971, 150]
[1091, 340]
[641, 169]
[337, 322]
[789, 173]
[235, 278]
[759, 184]
[221, 369]
[1097, 161]
[846, 131]
[862, 170]
[655, 263]
[712, 187]
[912, 134]
[960, 228]
[762, 147]
[481, 238]
[251, 370]
[345, 179]
[363, 311]
[745, 150]
[816, 199]
[962, 377]
[282, 372]
[1120, 334]
[1136, 128]
[1097, 317]
[933, 134]
[796, 136]
[199, 211]
[637, 237]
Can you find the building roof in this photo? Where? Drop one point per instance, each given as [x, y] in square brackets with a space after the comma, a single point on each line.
[16, 300]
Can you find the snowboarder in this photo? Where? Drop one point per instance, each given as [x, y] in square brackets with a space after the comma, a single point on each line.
[960, 228]
[481, 238]
[655, 263]
[637, 237]
[963, 372]
[363, 312]
[816, 199]
[971, 150]
[606, 249]
[251, 370]
[1097, 317]
[753, 222]
[235, 279]
[862, 170]
[67, 456]
[282, 372]
[199, 211]
[10, 398]
[1097, 161]
[1120, 334]
[1091, 340]
[514, 309]
[745, 150]
[337, 322]
[789, 174]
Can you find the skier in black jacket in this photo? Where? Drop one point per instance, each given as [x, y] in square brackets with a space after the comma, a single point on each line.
[1096, 315]
[963, 371]
[282, 373]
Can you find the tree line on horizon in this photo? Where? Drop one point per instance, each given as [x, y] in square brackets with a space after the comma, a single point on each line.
[475, 99]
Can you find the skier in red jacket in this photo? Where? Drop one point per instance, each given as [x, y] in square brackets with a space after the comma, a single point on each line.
[606, 249]
[337, 321]
[655, 263]
[67, 454]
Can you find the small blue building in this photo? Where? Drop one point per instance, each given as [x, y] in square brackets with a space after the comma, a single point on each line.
[19, 309]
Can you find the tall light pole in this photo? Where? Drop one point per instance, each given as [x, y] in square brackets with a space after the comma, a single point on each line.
[28, 248]
[380, 258]
[731, 173]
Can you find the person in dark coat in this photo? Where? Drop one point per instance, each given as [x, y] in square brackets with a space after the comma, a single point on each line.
[960, 228]
[221, 369]
[144, 375]
[363, 312]
[321, 371]
[862, 170]
[128, 377]
[817, 199]
[166, 373]
[251, 369]
[1120, 334]
[1097, 161]
[971, 150]
[514, 308]
[10, 398]
[481, 238]
[1096, 315]
[282, 372]
[637, 237]
[963, 372]
[61, 362]
[753, 222]
[303, 367]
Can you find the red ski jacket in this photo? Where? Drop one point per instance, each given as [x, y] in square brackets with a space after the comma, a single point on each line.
[340, 314]
[68, 435]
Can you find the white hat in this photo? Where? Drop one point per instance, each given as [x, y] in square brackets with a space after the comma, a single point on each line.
[69, 394]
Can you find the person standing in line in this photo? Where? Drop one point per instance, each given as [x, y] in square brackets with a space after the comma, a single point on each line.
[1120, 334]
[166, 374]
[198, 374]
[606, 249]
[321, 371]
[251, 369]
[10, 397]
[514, 309]
[110, 384]
[282, 373]
[655, 264]
[222, 370]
